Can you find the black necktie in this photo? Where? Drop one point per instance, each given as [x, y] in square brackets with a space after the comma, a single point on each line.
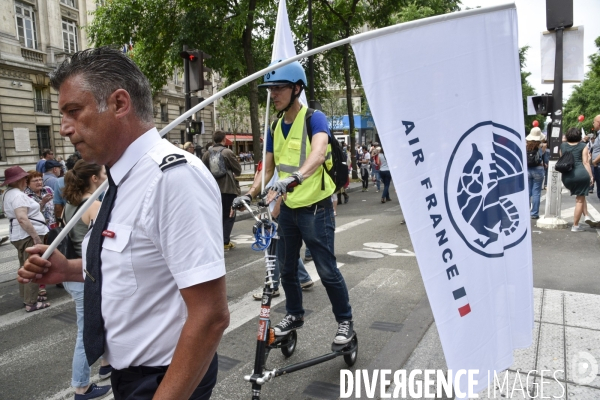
[93, 323]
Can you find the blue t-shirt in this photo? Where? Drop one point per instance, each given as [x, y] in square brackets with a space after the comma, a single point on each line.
[39, 167]
[318, 123]
[59, 184]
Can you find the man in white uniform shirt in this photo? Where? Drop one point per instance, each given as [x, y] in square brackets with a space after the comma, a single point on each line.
[162, 284]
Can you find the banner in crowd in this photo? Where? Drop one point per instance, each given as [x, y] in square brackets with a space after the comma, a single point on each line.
[445, 93]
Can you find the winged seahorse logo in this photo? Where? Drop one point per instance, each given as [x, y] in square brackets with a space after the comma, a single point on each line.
[484, 201]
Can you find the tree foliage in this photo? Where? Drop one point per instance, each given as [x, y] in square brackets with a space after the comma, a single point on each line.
[585, 99]
[234, 33]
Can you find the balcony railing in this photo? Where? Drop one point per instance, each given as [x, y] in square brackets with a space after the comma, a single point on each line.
[33, 56]
[42, 106]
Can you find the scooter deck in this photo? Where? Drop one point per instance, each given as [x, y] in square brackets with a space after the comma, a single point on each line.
[346, 347]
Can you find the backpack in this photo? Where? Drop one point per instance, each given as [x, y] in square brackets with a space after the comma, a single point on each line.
[533, 158]
[66, 246]
[216, 163]
[565, 163]
[339, 170]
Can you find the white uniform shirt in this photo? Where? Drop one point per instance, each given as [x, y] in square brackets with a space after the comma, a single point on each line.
[168, 236]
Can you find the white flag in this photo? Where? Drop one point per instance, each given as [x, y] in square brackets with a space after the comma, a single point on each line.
[283, 44]
[445, 93]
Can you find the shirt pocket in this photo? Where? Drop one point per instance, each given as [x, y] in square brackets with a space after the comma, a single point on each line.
[118, 276]
[294, 145]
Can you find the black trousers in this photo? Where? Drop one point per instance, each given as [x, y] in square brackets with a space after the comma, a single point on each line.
[226, 201]
[364, 175]
[141, 383]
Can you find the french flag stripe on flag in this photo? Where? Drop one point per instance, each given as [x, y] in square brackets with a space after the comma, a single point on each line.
[464, 306]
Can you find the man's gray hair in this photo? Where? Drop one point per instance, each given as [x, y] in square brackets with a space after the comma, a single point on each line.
[105, 70]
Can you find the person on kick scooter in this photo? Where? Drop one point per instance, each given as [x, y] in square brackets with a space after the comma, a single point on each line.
[307, 211]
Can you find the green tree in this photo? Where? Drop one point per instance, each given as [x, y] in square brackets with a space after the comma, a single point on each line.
[234, 33]
[585, 99]
[527, 90]
[339, 19]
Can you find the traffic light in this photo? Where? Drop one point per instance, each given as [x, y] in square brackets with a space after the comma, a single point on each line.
[542, 104]
[195, 60]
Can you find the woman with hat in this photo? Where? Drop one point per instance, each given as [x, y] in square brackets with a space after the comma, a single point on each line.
[535, 169]
[27, 228]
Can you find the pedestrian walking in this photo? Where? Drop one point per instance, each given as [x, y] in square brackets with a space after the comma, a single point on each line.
[27, 228]
[306, 281]
[386, 176]
[596, 155]
[579, 178]
[155, 303]
[535, 169]
[47, 154]
[224, 166]
[80, 183]
[365, 162]
[307, 211]
[189, 147]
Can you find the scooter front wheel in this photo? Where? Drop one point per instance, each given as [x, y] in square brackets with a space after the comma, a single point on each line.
[288, 345]
[350, 358]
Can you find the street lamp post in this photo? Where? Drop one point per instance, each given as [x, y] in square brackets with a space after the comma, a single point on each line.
[559, 15]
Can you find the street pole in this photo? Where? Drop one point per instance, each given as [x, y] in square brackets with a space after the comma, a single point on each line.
[311, 67]
[188, 99]
[559, 15]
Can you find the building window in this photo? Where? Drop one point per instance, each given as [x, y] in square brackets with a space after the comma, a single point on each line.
[69, 36]
[164, 113]
[41, 101]
[26, 25]
[70, 3]
[43, 138]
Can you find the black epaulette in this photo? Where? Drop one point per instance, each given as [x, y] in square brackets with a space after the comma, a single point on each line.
[171, 161]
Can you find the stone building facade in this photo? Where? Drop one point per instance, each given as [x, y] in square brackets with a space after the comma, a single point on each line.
[35, 36]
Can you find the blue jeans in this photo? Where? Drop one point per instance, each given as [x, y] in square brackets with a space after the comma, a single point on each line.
[307, 252]
[316, 226]
[386, 177]
[536, 179]
[302, 273]
[377, 179]
[80, 376]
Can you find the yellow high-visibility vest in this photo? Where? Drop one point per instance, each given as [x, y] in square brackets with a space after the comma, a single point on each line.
[290, 153]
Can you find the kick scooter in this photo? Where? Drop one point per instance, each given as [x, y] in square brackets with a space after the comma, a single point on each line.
[265, 232]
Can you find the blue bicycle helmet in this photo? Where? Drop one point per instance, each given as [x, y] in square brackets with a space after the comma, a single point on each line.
[291, 73]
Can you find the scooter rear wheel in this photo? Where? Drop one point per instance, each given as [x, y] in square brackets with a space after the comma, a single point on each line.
[350, 359]
[288, 345]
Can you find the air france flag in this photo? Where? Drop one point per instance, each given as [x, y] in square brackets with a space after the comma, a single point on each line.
[445, 93]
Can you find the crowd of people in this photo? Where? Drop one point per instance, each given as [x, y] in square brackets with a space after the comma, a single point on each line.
[579, 180]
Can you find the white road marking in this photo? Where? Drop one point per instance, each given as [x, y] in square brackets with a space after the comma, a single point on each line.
[383, 251]
[377, 245]
[407, 253]
[352, 224]
[18, 316]
[365, 254]
[247, 308]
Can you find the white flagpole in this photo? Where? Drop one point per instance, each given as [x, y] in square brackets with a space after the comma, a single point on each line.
[258, 74]
[264, 152]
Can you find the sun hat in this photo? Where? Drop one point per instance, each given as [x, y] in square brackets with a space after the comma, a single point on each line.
[535, 134]
[14, 174]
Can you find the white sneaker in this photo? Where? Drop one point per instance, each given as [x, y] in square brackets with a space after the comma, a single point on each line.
[577, 228]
